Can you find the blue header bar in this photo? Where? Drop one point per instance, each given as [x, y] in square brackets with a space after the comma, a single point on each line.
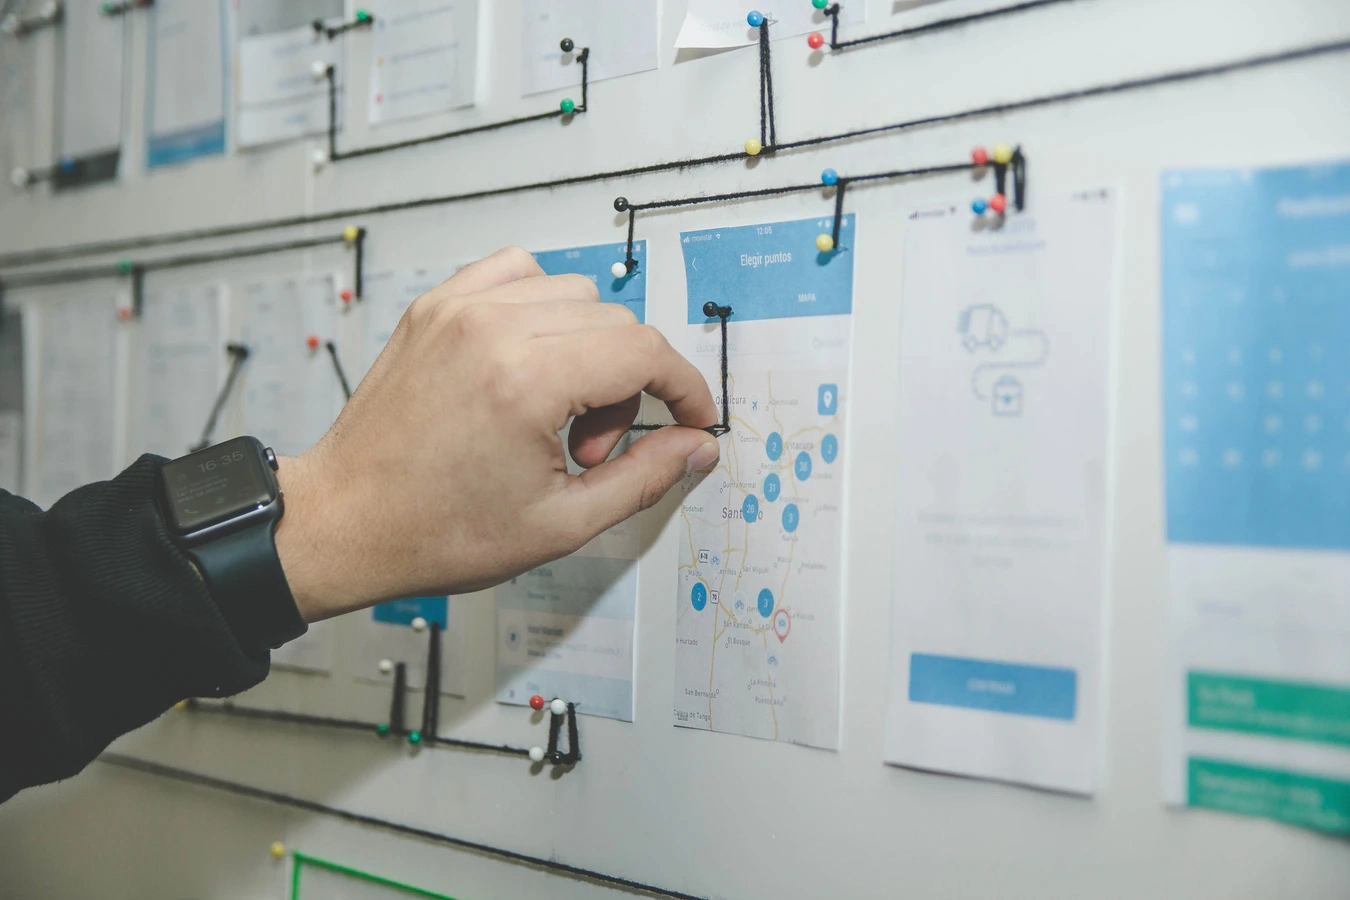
[595, 263]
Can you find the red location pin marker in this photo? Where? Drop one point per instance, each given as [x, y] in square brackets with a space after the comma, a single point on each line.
[536, 702]
[782, 624]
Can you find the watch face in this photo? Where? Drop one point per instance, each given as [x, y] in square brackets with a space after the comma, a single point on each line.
[217, 484]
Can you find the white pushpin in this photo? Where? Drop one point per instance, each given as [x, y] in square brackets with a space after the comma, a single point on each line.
[536, 754]
[10, 25]
[557, 707]
[50, 9]
[618, 270]
[19, 177]
[319, 158]
[419, 624]
[386, 666]
[319, 69]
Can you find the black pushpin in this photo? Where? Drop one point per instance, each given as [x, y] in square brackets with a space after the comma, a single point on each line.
[710, 310]
[621, 204]
[567, 45]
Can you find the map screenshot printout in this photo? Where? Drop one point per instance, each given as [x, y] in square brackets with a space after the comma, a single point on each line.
[759, 572]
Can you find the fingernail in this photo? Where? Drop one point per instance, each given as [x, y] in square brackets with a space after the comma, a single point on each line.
[704, 456]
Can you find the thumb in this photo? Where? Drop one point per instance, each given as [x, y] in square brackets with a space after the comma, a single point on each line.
[638, 478]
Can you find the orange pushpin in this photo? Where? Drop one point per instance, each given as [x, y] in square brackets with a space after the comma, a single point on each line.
[124, 313]
[313, 342]
[346, 296]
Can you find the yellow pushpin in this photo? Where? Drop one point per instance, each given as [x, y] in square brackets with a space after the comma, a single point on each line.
[1002, 154]
[351, 232]
[824, 243]
[278, 849]
[753, 146]
[180, 705]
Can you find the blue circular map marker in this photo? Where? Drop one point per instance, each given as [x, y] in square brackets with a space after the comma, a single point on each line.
[773, 445]
[790, 518]
[766, 603]
[750, 508]
[803, 466]
[699, 596]
[772, 486]
[829, 448]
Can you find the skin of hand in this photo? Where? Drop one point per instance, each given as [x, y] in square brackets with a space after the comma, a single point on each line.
[445, 472]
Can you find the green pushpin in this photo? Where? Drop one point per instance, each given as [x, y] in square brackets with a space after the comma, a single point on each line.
[567, 106]
[108, 8]
[125, 266]
[382, 729]
[362, 16]
[414, 737]
[820, 4]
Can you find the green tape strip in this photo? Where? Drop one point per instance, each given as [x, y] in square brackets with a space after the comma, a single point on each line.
[1296, 710]
[1293, 797]
[304, 859]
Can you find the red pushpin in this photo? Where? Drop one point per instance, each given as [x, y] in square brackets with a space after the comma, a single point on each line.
[782, 624]
[124, 313]
[312, 342]
[979, 156]
[998, 203]
[346, 296]
[815, 40]
[536, 702]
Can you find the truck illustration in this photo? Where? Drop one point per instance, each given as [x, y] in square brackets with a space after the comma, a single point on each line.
[982, 325]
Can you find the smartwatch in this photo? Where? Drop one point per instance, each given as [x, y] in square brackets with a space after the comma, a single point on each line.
[222, 506]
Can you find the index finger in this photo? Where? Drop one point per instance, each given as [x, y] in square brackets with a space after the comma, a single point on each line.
[605, 366]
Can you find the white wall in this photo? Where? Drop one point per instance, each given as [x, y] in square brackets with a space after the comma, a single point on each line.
[714, 814]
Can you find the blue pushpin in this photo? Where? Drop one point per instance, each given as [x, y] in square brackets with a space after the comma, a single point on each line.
[756, 18]
[67, 164]
[829, 177]
[978, 207]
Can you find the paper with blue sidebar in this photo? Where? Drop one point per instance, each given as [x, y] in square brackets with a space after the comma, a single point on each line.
[566, 629]
[1256, 307]
[1001, 536]
[187, 78]
[759, 583]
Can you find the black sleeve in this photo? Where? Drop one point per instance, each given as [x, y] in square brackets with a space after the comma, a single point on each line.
[104, 624]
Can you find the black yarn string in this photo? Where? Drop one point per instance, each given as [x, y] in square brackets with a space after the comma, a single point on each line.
[335, 155]
[124, 7]
[26, 25]
[763, 77]
[396, 704]
[431, 694]
[710, 309]
[838, 209]
[936, 25]
[359, 275]
[238, 353]
[332, 31]
[147, 767]
[50, 254]
[337, 368]
[767, 63]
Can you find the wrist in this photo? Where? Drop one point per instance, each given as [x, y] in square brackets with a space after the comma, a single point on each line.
[313, 541]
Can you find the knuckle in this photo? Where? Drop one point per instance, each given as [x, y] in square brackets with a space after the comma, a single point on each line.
[651, 341]
[517, 260]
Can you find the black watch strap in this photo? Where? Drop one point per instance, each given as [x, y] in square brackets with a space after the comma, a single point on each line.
[244, 575]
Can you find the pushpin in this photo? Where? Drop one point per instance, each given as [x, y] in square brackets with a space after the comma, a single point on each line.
[755, 18]
[753, 146]
[619, 269]
[19, 177]
[386, 666]
[49, 9]
[108, 9]
[362, 16]
[829, 177]
[536, 702]
[710, 309]
[978, 207]
[67, 164]
[419, 624]
[567, 106]
[180, 705]
[278, 849]
[815, 40]
[124, 313]
[9, 25]
[536, 754]
[820, 4]
[351, 233]
[824, 243]
[621, 204]
[125, 266]
[312, 342]
[382, 729]
[319, 69]
[998, 203]
[345, 295]
[557, 707]
[1002, 154]
[319, 158]
[414, 737]
[979, 156]
[566, 45]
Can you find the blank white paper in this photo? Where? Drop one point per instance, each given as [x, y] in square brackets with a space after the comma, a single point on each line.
[178, 369]
[423, 56]
[621, 34]
[91, 80]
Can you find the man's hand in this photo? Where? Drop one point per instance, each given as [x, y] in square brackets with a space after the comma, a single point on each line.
[445, 472]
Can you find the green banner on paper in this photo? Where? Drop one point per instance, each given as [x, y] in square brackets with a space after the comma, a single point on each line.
[1292, 797]
[1286, 709]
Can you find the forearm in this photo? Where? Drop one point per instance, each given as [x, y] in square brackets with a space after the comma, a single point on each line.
[104, 624]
